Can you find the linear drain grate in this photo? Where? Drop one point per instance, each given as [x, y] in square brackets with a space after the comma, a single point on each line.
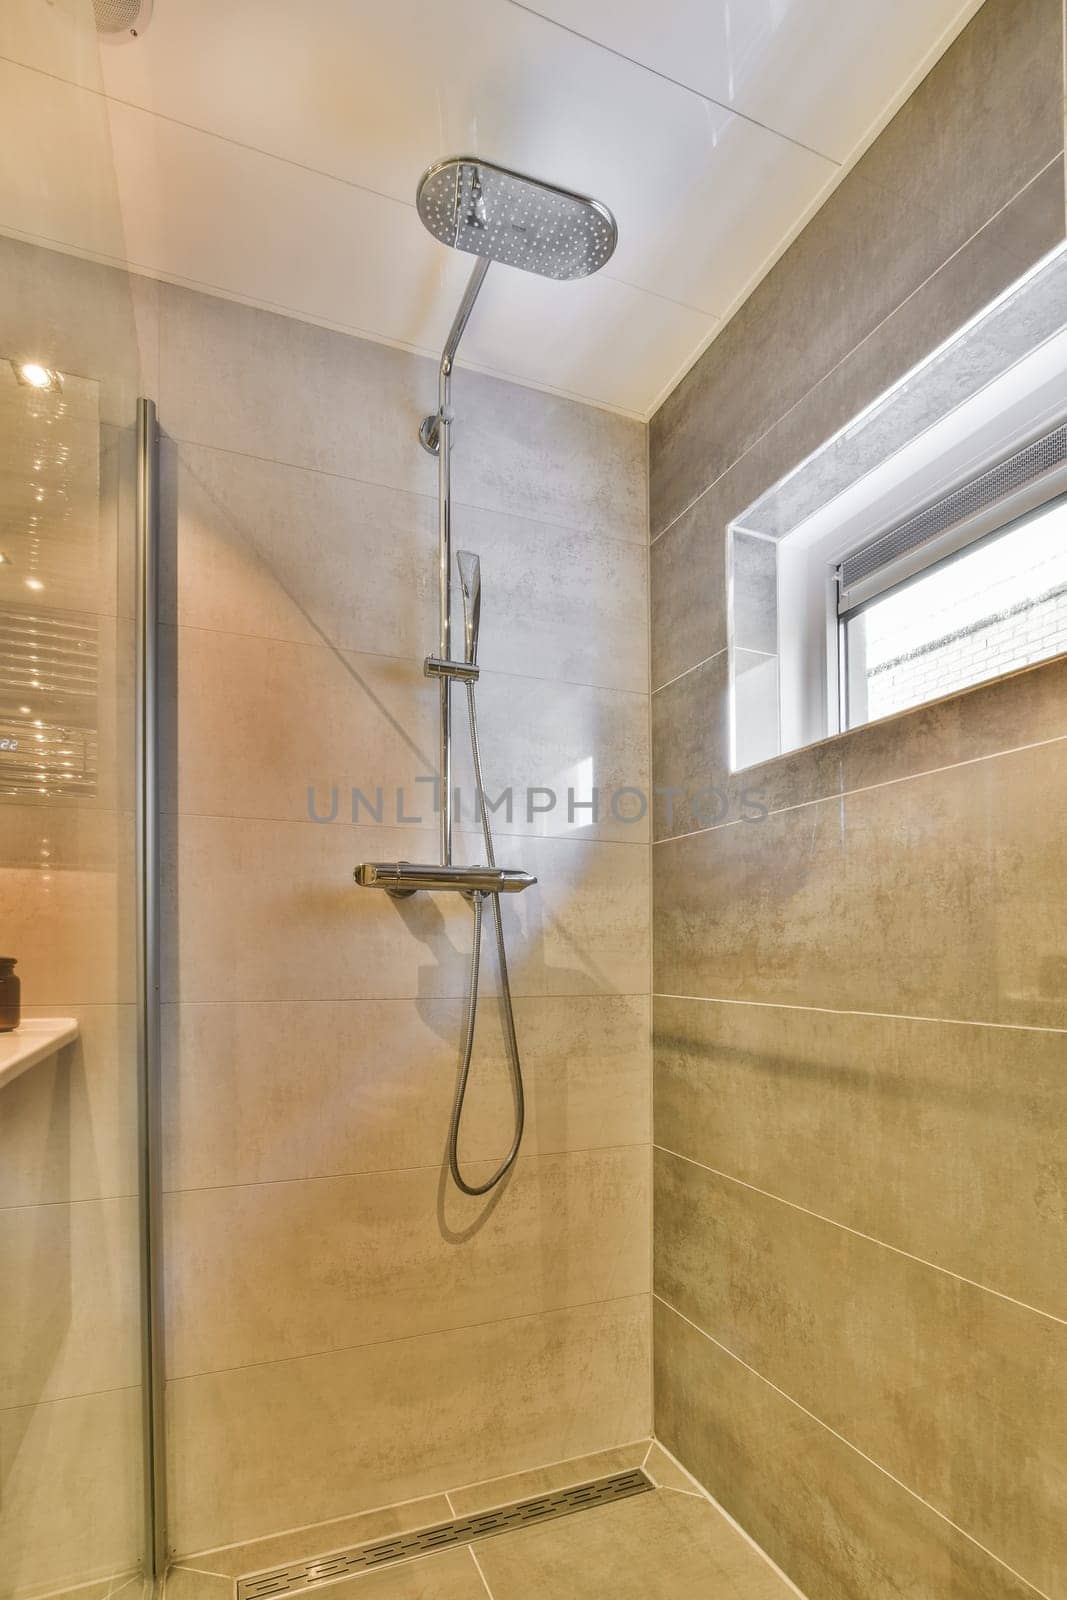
[302, 1575]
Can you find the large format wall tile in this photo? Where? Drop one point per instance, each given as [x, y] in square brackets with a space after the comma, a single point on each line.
[268, 910]
[72, 1490]
[301, 1441]
[237, 378]
[899, 1358]
[838, 1525]
[277, 1270]
[559, 747]
[376, 1081]
[69, 1127]
[256, 722]
[934, 897]
[71, 1285]
[687, 582]
[913, 1132]
[67, 877]
[543, 456]
[241, 379]
[259, 547]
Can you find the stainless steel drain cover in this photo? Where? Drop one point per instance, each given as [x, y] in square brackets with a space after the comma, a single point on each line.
[300, 1575]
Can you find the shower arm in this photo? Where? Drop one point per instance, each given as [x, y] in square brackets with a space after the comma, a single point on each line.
[435, 436]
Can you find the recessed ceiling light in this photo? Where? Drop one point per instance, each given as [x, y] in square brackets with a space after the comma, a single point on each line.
[37, 376]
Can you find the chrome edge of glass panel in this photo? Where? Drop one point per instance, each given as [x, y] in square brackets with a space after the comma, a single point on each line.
[150, 1185]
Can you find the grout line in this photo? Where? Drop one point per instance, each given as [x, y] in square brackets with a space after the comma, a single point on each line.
[845, 1011]
[715, 654]
[488, 671]
[868, 788]
[121, 1388]
[481, 1574]
[912, 1493]
[537, 1315]
[870, 1238]
[383, 1172]
[705, 1494]
[448, 1501]
[181, 443]
[411, 829]
[545, 1466]
[822, 378]
[309, 1527]
[687, 88]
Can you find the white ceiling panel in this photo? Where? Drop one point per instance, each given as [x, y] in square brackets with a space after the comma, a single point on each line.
[819, 71]
[372, 94]
[271, 152]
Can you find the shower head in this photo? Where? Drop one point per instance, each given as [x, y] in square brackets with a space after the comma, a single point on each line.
[500, 215]
[470, 582]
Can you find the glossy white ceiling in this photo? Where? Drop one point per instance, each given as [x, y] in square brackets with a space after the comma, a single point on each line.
[270, 151]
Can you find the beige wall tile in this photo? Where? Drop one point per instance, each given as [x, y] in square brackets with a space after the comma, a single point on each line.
[72, 1491]
[68, 1128]
[936, 897]
[568, 739]
[255, 723]
[653, 1544]
[582, 930]
[288, 1269]
[252, 381]
[531, 454]
[268, 910]
[326, 1436]
[540, 455]
[66, 878]
[835, 1524]
[687, 582]
[69, 1313]
[899, 1358]
[913, 1132]
[237, 1560]
[321, 1087]
[262, 720]
[259, 547]
[691, 751]
[545, 1480]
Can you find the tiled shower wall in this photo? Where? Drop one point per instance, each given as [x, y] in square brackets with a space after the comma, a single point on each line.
[860, 1000]
[344, 1330]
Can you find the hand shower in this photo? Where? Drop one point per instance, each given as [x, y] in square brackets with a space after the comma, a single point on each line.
[470, 583]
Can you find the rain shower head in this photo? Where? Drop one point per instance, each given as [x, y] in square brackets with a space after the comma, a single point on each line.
[500, 215]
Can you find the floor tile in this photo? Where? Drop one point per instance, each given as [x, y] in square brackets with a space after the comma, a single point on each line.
[652, 1546]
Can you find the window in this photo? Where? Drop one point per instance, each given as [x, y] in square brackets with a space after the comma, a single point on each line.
[993, 606]
[922, 549]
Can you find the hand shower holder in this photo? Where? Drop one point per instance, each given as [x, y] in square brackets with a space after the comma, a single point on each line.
[459, 671]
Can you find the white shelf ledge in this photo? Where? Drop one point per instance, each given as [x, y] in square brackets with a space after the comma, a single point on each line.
[33, 1040]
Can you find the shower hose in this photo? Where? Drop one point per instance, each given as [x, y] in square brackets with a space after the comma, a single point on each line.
[477, 901]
